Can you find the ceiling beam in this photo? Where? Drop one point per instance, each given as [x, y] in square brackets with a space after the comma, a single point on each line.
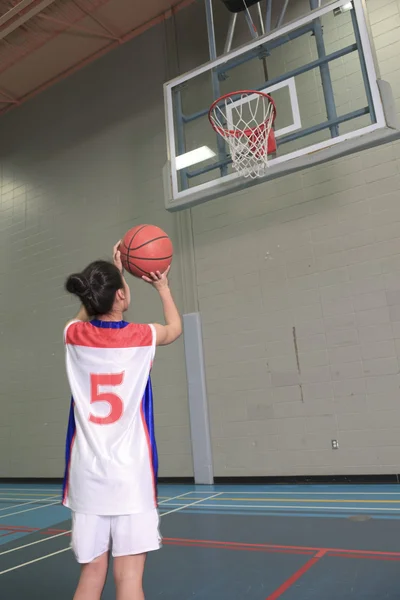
[15, 10]
[9, 99]
[69, 25]
[97, 20]
[29, 14]
[96, 55]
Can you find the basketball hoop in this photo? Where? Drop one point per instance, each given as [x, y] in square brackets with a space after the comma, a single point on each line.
[244, 119]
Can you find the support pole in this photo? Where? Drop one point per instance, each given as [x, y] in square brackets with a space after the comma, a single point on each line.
[268, 16]
[251, 26]
[231, 32]
[363, 66]
[262, 28]
[282, 15]
[214, 74]
[198, 405]
[260, 18]
[325, 73]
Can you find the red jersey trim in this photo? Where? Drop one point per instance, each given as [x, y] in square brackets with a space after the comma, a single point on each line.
[133, 335]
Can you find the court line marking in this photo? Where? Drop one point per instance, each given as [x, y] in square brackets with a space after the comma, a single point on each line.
[51, 537]
[29, 499]
[57, 488]
[243, 492]
[290, 581]
[277, 506]
[68, 548]
[309, 493]
[33, 561]
[31, 495]
[20, 512]
[30, 502]
[353, 500]
[291, 548]
[181, 507]
[282, 490]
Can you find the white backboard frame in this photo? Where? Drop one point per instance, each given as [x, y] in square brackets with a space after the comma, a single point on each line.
[379, 132]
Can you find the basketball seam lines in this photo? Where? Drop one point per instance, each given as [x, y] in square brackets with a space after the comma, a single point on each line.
[133, 237]
[161, 237]
[155, 258]
[128, 249]
[142, 270]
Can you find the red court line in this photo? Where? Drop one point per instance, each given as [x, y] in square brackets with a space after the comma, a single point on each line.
[364, 557]
[296, 576]
[8, 533]
[227, 546]
[290, 549]
[17, 528]
[278, 548]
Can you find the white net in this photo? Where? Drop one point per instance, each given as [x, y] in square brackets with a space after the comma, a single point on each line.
[244, 120]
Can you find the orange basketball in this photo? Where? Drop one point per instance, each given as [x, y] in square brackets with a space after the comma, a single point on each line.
[145, 249]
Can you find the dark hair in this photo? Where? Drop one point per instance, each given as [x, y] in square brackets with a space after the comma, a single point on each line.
[96, 286]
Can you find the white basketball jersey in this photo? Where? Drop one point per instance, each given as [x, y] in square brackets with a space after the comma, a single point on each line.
[111, 456]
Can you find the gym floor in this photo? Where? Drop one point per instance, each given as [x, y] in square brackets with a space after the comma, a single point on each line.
[220, 542]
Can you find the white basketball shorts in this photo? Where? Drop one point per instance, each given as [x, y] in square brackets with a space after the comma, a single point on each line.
[125, 535]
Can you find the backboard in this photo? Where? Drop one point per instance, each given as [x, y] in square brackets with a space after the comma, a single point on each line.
[322, 75]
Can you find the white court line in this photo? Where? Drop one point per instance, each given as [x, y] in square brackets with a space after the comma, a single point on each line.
[310, 493]
[196, 491]
[52, 537]
[187, 505]
[30, 499]
[291, 493]
[19, 512]
[33, 490]
[314, 508]
[33, 561]
[65, 533]
[46, 500]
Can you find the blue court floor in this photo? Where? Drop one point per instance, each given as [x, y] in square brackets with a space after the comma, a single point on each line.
[220, 542]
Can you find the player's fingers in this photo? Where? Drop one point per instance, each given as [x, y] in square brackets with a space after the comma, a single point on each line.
[146, 279]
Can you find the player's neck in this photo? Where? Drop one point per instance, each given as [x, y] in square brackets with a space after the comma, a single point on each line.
[114, 316]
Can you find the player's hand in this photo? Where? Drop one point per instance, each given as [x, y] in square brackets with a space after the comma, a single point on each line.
[117, 257]
[158, 280]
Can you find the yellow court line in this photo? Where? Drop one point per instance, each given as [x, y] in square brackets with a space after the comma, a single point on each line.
[294, 500]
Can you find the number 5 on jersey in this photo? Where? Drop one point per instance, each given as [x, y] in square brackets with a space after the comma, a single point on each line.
[115, 403]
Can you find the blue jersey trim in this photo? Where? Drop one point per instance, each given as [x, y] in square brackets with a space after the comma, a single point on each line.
[148, 411]
[109, 324]
[71, 430]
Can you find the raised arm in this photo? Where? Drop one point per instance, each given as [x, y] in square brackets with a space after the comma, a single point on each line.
[168, 333]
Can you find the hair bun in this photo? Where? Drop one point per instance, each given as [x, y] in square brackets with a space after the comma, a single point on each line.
[78, 284]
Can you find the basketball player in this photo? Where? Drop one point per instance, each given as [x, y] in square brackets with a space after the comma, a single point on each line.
[111, 470]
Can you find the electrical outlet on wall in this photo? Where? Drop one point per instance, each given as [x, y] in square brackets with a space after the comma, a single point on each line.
[335, 445]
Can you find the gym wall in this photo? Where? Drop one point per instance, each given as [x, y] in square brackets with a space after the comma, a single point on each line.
[297, 280]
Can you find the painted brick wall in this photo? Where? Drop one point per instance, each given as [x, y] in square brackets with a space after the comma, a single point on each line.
[299, 287]
[309, 261]
[79, 164]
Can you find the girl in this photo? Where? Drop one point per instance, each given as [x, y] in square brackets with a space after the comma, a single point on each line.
[111, 467]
